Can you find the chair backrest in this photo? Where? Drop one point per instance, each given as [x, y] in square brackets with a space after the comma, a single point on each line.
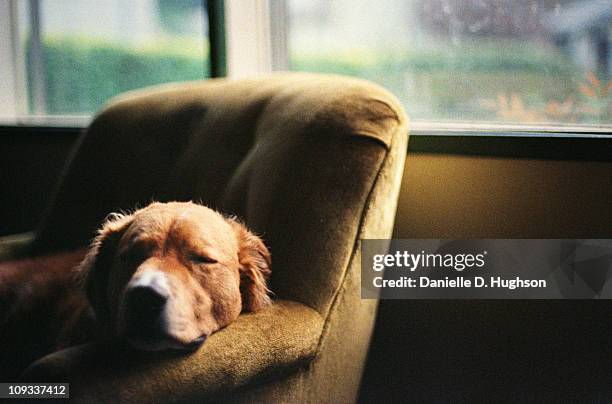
[296, 156]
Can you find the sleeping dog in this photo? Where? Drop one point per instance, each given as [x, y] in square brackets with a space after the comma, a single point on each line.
[164, 277]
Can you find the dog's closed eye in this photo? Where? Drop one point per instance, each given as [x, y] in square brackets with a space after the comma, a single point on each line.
[200, 259]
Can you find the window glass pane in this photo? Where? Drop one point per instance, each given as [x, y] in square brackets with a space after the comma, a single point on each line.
[87, 51]
[520, 61]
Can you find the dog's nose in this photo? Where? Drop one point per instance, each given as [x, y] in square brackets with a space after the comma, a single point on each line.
[145, 300]
[147, 293]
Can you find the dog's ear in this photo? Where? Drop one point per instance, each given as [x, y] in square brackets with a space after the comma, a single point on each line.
[93, 271]
[255, 262]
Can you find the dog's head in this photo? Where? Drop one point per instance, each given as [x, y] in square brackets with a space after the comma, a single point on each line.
[169, 275]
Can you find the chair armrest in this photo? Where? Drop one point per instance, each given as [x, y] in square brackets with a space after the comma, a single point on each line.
[15, 246]
[281, 337]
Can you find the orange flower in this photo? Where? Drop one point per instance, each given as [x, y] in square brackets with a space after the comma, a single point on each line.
[560, 109]
[588, 91]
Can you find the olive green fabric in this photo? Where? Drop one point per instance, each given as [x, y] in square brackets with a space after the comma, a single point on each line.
[313, 163]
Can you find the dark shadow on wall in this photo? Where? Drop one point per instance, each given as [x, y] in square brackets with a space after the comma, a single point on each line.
[31, 160]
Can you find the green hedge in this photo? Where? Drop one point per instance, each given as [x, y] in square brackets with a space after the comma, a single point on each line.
[444, 82]
[438, 82]
[481, 55]
[81, 75]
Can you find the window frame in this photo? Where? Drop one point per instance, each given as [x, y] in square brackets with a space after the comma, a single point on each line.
[13, 91]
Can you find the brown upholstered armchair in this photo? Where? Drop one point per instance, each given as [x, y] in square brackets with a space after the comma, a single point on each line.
[311, 162]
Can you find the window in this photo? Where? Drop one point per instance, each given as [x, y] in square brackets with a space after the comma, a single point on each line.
[520, 64]
[70, 57]
[536, 62]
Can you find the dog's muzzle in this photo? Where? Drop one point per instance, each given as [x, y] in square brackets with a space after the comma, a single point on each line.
[144, 321]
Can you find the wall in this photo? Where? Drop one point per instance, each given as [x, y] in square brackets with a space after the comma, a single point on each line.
[458, 196]
[485, 350]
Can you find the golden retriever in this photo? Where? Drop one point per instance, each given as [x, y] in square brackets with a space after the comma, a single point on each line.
[164, 277]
